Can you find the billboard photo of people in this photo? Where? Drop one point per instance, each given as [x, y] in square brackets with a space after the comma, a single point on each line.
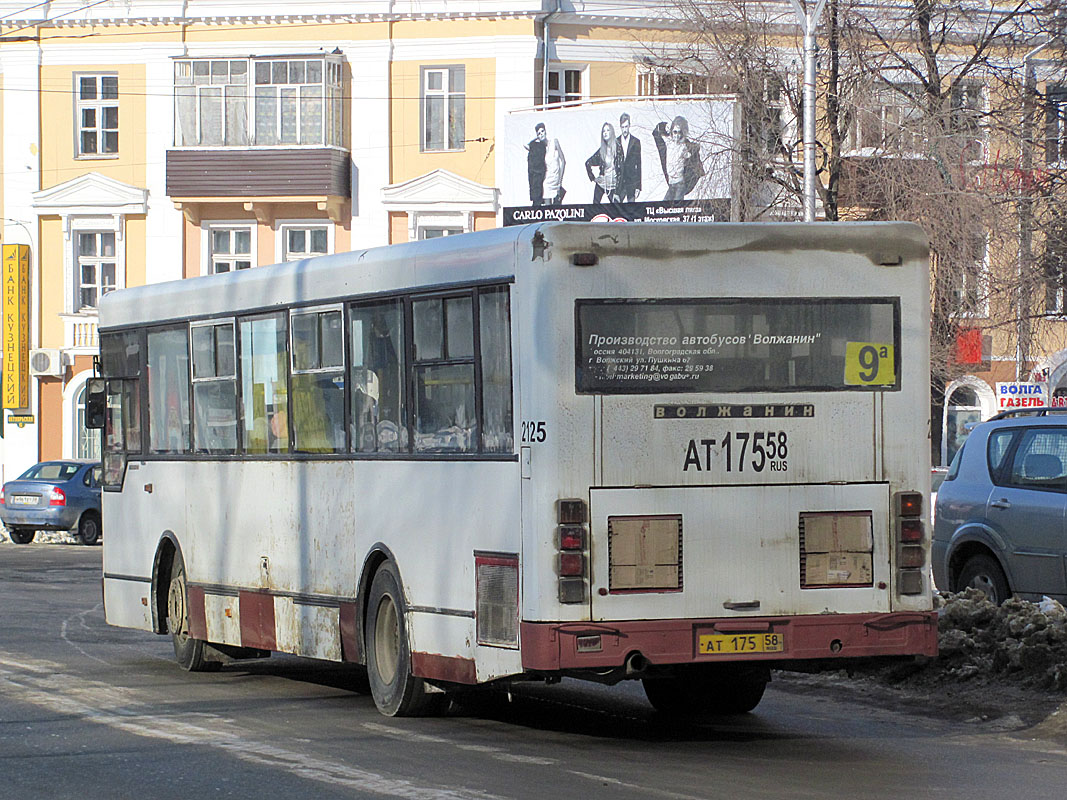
[685, 175]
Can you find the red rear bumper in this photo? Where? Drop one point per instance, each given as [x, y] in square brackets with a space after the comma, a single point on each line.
[550, 646]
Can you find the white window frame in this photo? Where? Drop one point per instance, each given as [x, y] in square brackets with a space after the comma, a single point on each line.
[559, 72]
[241, 88]
[650, 83]
[281, 241]
[98, 106]
[1055, 125]
[449, 96]
[207, 257]
[113, 223]
[976, 281]
[97, 261]
[419, 221]
[880, 101]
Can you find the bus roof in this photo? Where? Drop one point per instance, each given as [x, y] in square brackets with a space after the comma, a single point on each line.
[488, 255]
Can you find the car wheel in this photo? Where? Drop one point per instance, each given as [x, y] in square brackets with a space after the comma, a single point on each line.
[21, 535]
[396, 692]
[983, 573]
[189, 652]
[89, 528]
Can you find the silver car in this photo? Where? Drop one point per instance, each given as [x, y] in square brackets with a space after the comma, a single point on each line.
[53, 496]
[1001, 514]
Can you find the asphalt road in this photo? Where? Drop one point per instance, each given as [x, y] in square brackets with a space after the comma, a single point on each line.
[88, 711]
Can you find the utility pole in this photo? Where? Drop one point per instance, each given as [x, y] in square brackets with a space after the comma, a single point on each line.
[808, 19]
[1026, 214]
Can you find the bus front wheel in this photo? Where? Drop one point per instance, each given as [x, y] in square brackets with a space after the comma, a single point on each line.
[188, 651]
[396, 692]
[711, 690]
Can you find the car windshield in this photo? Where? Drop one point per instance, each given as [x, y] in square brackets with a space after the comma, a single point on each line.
[50, 472]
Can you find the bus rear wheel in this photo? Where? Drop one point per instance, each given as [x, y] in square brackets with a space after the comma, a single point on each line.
[708, 690]
[396, 692]
[189, 652]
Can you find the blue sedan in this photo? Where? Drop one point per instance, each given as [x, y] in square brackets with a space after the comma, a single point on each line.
[53, 496]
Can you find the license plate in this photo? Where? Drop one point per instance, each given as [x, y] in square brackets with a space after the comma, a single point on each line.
[715, 643]
[24, 500]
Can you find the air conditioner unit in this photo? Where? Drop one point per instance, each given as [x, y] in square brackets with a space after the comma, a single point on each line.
[47, 362]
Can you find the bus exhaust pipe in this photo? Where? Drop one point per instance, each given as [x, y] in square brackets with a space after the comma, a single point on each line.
[636, 664]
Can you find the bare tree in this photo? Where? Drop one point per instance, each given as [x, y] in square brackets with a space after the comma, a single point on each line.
[926, 113]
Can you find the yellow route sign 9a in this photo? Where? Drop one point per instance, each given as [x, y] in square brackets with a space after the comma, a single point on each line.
[870, 364]
[16, 329]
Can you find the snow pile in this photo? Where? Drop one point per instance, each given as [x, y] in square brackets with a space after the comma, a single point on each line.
[45, 537]
[1021, 642]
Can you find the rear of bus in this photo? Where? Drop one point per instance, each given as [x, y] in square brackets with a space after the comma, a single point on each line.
[725, 450]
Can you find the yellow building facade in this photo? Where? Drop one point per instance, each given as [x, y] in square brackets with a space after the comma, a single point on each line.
[167, 140]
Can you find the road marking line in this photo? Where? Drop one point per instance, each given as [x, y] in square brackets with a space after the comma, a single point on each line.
[647, 790]
[495, 752]
[39, 684]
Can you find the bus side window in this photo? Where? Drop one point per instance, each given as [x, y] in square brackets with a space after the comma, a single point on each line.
[376, 378]
[318, 382]
[495, 329]
[214, 389]
[444, 403]
[264, 395]
[168, 386]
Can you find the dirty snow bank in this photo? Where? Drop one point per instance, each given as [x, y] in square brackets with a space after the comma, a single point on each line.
[45, 537]
[1002, 668]
[1021, 642]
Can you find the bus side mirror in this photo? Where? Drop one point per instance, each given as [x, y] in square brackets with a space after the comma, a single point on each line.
[95, 403]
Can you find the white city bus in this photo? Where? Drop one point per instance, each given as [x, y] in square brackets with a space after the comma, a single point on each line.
[678, 453]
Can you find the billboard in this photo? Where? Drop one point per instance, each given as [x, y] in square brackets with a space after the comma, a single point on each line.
[629, 160]
[16, 326]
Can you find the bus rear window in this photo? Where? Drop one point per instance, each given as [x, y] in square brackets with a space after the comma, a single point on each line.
[737, 345]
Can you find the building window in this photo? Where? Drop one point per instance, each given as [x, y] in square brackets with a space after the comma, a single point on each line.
[289, 102]
[1054, 265]
[96, 269]
[656, 83]
[437, 233]
[893, 117]
[967, 276]
[564, 85]
[1056, 125]
[304, 241]
[889, 118]
[443, 108]
[97, 114]
[231, 248]
[264, 102]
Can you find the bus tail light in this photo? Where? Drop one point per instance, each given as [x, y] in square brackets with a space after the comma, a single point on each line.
[571, 512]
[56, 497]
[911, 553]
[912, 556]
[911, 530]
[571, 539]
[909, 504]
[572, 565]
